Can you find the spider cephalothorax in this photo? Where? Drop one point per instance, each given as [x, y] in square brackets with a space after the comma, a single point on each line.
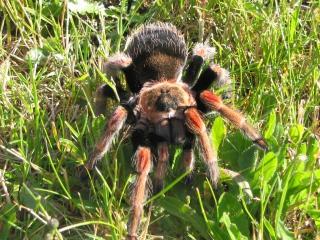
[163, 107]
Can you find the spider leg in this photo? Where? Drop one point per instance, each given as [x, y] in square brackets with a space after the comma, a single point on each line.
[218, 77]
[112, 67]
[103, 93]
[214, 102]
[116, 63]
[113, 127]
[197, 127]
[161, 168]
[122, 62]
[188, 156]
[193, 69]
[143, 164]
[201, 53]
[100, 102]
[139, 133]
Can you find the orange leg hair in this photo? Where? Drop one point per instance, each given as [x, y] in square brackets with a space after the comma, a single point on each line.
[197, 127]
[161, 168]
[113, 127]
[143, 165]
[215, 103]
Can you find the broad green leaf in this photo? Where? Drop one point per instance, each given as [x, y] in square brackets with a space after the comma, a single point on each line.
[266, 169]
[270, 228]
[302, 149]
[315, 214]
[247, 159]
[218, 132]
[269, 102]
[271, 125]
[300, 186]
[273, 143]
[232, 228]
[230, 205]
[300, 182]
[312, 153]
[239, 179]
[283, 232]
[296, 132]
[231, 151]
[281, 200]
[186, 213]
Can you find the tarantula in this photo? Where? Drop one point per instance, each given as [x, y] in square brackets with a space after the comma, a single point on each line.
[163, 107]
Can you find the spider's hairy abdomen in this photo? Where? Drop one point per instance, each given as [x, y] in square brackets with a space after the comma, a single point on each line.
[158, 51]
[156, 37]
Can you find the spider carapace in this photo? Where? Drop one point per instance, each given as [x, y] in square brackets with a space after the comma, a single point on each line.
[166, 105]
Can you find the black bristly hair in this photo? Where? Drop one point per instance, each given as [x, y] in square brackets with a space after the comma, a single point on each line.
[150, 56]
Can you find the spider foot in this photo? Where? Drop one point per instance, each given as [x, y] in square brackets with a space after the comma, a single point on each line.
[204, 50]
[116, 63]
[189, 180]
[101, 96]
[223, 80]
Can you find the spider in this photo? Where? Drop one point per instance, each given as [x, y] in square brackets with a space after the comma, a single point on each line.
[163, 108]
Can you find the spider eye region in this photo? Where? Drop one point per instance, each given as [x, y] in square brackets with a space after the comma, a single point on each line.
[166, 101]
[163, 98]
